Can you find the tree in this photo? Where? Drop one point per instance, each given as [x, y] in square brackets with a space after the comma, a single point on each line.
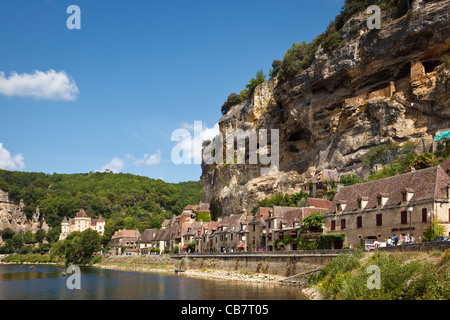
[436, 230]
[350, 179]
[7, 234]
[314, 222]
[425, 160]
[40, 235]
[28, 237]
[247, 93]
[232, 100]
[17, 240]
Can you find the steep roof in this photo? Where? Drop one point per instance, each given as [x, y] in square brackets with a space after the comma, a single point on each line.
[318, 203]
[148, 235]
[81, 214]
[446, 166]
[126, 234]
[427, 185]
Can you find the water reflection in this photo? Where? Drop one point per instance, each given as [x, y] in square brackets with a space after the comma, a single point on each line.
[46, 283]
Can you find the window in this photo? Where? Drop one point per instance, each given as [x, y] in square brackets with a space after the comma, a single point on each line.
[343, 224]
[359, 222]
[404, 217]
[424, 215]
[333, 225]
[359, 204]
[379, 201]
[253, 228]
[404, 198]
[270, 224]
[379, 220]
[338, 207]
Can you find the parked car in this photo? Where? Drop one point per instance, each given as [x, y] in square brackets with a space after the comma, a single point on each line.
[442, 239]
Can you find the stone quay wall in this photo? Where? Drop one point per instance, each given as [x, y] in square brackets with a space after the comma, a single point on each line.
[284, 264]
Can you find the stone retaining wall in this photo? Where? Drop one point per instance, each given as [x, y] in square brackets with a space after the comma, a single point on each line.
[283, 264]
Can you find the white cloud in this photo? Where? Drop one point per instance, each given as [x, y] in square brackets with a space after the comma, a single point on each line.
[49, 85]
[116, 165]
[149, 160]
[9, 162]
[190, 143]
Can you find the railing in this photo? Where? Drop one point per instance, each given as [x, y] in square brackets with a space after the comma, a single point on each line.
[264, 253]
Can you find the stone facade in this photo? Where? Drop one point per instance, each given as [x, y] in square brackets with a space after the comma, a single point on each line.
[80, 223]
[399, 205]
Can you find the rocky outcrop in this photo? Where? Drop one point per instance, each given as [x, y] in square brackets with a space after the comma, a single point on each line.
[12, 216]
[345, 103]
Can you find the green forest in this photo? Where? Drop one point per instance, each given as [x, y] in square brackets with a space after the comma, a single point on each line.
[122, 199]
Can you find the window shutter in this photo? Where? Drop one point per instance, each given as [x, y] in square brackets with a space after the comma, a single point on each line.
[379, 220]
[359, 222]
[404, 217]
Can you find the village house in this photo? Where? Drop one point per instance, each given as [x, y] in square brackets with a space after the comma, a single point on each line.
[161, 239]
[125, 242]
[257, 229]
[406, 204]
[288, 221]
[81, 222]
[204, 241]
[321, 182]
[146, 241]
[226, 238]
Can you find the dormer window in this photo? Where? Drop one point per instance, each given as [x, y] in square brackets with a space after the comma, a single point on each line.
[382, 198]
[362, 202]
[407, 194]
[340, 205]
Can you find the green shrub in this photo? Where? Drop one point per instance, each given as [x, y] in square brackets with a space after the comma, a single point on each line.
[232, 100]
[247, 93]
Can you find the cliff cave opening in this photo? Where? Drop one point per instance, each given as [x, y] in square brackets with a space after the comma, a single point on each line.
[430, 65]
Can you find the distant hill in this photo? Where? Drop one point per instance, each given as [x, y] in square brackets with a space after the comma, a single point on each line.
[99, 194]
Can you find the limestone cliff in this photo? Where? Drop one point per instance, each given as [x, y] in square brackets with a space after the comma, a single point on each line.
[332, 113]
[12, 216]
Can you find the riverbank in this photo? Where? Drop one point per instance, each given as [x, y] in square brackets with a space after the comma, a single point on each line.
[164, 264]
[385, 276]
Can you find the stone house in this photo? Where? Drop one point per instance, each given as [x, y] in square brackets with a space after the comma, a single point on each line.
[125, 238]
[161, 240]
[204, 240]
[257, 229]
[285, 221]
[398, 205]
[146, 241]
[80, 223]
[226, 238]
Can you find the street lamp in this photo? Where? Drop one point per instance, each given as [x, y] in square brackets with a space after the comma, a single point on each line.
[410, 209]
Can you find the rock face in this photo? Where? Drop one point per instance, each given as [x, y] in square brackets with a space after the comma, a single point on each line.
[330, 115]
[12, 216]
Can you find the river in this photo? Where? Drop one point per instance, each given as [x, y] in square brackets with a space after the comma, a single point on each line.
[44, 282]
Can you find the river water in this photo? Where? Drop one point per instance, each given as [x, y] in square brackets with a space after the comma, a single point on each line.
[46, 283]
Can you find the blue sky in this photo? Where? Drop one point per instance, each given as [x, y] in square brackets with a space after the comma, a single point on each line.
[135, 72]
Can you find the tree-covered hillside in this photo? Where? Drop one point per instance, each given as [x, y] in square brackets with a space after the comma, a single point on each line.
[113, 196]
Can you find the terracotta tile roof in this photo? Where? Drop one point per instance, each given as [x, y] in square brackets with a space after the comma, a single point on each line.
[318, 203]
[126, 234]
[427, 184]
